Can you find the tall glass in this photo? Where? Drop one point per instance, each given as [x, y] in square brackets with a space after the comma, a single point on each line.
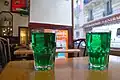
[98, 49]
[44, 47]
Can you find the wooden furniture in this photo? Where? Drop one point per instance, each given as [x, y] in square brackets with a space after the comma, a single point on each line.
[67, 50]
[80, 44]
[115, 51]
[25, 51]
[65, 69]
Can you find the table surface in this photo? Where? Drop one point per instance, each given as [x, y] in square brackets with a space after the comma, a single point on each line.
[65, 69]
[67, 50]
[25, 51]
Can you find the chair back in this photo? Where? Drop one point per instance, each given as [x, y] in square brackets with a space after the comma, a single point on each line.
[78, 44]
[5, 55]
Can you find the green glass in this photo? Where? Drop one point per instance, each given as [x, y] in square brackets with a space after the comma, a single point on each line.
[98, 49]
[44, 46]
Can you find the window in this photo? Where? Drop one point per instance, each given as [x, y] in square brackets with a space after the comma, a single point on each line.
[109, 7]
[77, 34]
[86, 1]
[90, 14]
[118, 32]
[76, 26]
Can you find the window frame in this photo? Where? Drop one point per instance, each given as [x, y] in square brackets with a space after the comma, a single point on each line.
[118, 32]
[90, 15]
[109, 7]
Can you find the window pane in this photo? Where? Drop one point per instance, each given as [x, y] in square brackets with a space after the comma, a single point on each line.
[77, 34]
[118, 32]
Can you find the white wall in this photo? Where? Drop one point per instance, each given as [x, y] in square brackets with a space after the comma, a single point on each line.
[17, 19]
[51, 11]
[98, 11]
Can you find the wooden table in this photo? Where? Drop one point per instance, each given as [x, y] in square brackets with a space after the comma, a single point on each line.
[25, 51]
[115, 51]
[67, 50]
[65, 69]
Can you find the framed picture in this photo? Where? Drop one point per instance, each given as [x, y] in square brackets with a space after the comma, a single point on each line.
[18, 5]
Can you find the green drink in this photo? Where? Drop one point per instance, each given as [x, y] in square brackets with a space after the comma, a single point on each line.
[98, 49]
[43, 45]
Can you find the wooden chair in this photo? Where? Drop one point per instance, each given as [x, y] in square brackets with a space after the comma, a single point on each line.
[4, 52]
[83, 49]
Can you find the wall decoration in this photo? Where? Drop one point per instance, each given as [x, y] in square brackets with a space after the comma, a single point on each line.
[20, 6]
[16, 5]
[6, 23]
